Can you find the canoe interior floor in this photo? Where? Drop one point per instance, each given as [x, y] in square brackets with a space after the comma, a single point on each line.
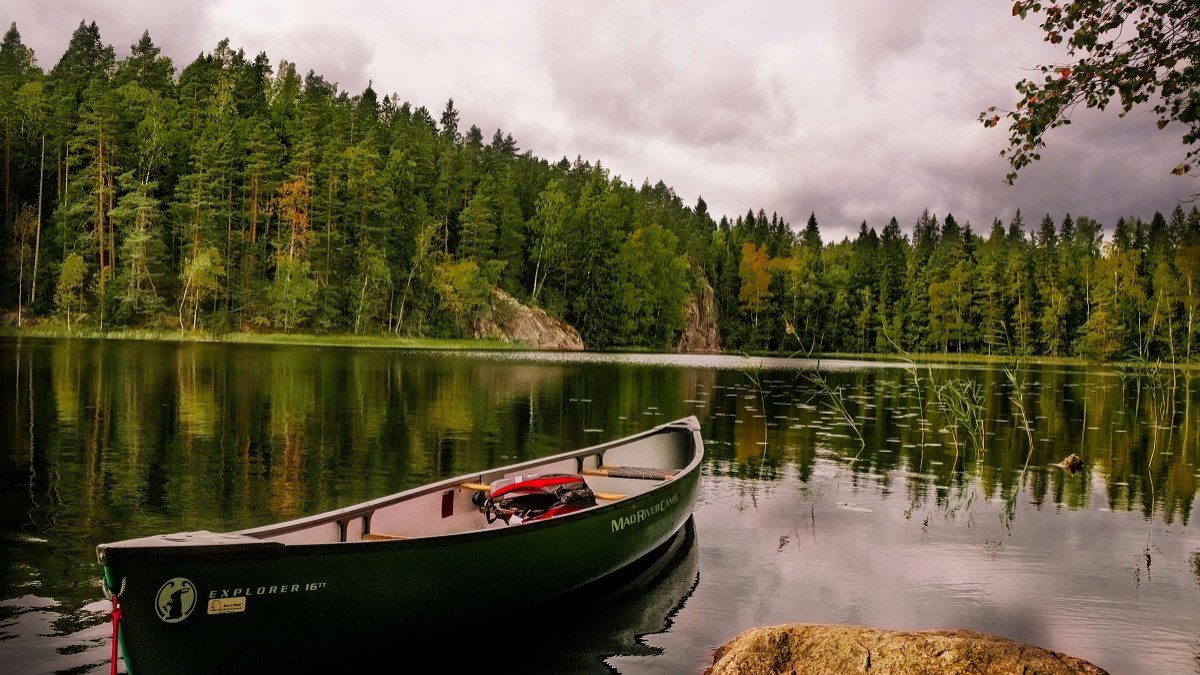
[608, 484]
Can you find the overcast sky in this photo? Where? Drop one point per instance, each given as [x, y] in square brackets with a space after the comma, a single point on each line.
[853, 110]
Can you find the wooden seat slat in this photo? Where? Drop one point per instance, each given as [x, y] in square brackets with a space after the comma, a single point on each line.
[647, 473]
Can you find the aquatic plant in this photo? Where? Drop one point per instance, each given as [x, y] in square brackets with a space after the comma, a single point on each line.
[835, 401]
[753, 372]
[961, 401]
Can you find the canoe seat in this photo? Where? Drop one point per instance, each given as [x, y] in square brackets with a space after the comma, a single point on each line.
[609, 496]
[632, 472]
[376, 536]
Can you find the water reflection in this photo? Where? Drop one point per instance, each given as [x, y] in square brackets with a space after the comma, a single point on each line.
[100, 441]
[603, 628]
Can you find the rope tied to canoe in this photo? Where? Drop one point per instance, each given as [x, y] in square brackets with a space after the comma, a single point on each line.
[116, 617]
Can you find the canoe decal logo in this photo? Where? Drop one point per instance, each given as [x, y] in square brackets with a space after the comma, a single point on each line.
[175, 600]
[641, 515]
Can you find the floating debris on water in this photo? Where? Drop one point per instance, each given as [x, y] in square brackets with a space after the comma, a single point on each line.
[1071, 462]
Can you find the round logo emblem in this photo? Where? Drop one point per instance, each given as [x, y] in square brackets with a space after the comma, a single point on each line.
[175, 600]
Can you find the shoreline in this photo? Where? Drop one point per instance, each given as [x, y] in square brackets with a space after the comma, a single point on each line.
[377, 341]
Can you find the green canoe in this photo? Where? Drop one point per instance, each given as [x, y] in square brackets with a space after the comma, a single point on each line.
[357, 583]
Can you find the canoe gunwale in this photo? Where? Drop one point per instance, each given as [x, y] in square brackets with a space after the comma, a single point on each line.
[364, 509]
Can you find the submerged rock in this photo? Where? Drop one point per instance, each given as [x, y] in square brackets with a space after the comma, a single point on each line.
[1072, 463]
[823, 649]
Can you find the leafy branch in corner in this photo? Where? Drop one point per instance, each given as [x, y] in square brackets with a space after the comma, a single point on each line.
[1122, 51]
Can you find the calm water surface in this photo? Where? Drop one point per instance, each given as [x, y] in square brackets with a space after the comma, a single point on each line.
[921, 524]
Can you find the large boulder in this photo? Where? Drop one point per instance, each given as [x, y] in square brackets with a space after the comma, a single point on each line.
[511, 321]
[821, 649]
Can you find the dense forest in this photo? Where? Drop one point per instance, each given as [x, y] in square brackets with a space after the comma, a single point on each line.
[238, 195]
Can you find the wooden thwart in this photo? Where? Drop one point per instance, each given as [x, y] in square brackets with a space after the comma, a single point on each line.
[632, 472]
[376, 536]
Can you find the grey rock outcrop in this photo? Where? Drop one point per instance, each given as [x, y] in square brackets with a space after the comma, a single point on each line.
[510, 321]
[700, 334]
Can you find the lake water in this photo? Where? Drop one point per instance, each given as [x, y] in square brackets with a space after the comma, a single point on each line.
[920, 525]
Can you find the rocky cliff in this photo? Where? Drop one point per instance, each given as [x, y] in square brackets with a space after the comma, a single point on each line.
[700, 334]
[511, 321]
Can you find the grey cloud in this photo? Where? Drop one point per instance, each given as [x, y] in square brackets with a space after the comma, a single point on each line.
[876, 31]
[185, 30]
[630, 72]
[1101, 166]
[173, 26]
[337, 54]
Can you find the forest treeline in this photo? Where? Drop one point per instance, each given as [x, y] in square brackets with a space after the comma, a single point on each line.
[238, 195]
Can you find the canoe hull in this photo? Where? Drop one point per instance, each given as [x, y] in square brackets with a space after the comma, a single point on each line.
[260, 606]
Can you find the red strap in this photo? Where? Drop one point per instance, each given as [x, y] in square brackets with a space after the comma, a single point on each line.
[538, 483]
[116, 622]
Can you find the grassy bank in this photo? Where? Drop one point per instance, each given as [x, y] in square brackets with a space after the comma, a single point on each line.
[308, 339]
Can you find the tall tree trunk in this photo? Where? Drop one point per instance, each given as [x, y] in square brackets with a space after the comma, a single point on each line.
[254, 185]
[21, 282]
[229, 245]
[7, 168]
[183, 302]
[536, 268]
[37, 245]
[362, 298]
[100, 228]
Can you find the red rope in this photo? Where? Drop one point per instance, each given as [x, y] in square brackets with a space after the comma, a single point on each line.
[116, 622]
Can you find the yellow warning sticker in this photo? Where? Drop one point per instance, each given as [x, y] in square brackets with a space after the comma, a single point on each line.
[226, 605]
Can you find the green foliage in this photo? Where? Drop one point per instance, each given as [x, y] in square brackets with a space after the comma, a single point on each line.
[292, 294]
[138, 220]
[202, 277]
[68, 294]
[477, 238]
[24, 231]
[653, 286]
[547, 228]
[463, 290]
[375, 287]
